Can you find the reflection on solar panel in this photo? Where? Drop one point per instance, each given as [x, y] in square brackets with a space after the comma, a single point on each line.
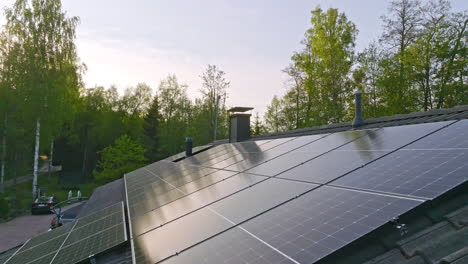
[75, 241]
[324, 168]
[277, 201]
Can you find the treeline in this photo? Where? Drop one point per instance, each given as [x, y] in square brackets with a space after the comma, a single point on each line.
[111, 134]
[97, 132]
[418, 63]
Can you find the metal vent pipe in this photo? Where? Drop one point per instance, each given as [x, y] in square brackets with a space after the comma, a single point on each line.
[188, 146]
[358, 120]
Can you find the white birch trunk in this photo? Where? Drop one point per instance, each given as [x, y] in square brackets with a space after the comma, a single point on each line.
[36, 158]
[2, 177]
[51, 156]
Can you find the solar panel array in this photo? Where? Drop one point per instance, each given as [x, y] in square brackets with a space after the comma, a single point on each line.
[77, 241]
[289, 200]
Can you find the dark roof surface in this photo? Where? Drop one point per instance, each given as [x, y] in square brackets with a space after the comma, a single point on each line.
[104, 196]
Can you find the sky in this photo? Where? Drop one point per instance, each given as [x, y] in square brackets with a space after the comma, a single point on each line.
[127, 42]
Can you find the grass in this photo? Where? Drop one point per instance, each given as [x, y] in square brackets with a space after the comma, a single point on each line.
[19, 196]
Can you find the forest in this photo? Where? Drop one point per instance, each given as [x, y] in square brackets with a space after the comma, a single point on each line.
[417, 64]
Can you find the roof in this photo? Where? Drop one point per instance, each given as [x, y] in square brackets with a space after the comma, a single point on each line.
[393, 191]
[435, 115]
[240, 109]
[104, 196]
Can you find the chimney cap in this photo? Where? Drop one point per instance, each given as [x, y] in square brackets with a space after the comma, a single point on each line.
[240, 109]
[357, 91]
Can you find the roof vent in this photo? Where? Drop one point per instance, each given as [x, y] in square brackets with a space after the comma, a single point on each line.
[358, 120]
[188, 146]
[239, 125]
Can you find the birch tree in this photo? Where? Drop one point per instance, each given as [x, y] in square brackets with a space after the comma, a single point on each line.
[45, 60]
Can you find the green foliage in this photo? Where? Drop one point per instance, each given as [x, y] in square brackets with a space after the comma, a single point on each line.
[152, 131]
[125, 155]
[257, 128]
[419, 63]
[326, 62]
[4, 207]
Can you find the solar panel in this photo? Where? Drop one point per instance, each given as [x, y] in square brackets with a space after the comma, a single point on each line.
[426, 168]
[424, 173]
[331, 165]
[291, 159]
[164, 191]
[113, 209]
[453, 136]
[48, 246]
[180, 234]
[235, 246]
[259, 198]
[87, 247]
[38, 251]
[246, 161]
[43, 260]
[390, 138]
[94, 227]
[46, 236]
[219, 153]
[324, 220]
[190, 203]
[201, 224]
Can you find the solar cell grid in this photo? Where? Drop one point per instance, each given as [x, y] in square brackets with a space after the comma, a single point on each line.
[89, 246]
[46, 236]
[325, 168]
[232, 247]
[192, 202]
[259, 198]
[453, 136]
[38, 251]
[116, 208]
[324, 220]
[94, 227]
[424, 173]
[43, 260]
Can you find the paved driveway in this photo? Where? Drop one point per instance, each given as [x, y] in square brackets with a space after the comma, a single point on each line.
[20, 229]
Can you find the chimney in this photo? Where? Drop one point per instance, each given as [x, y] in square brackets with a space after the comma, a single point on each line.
[239, 125]
[188, 146]
[358, 121]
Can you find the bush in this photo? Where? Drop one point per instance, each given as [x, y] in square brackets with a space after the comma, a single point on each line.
[123, 156]
[4, 207]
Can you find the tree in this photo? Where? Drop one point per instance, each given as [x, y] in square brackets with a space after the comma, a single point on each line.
[46, 69]
[274, 116]
[297, 102]
[258, 127]
[401, 29]
[151, 129]
[136, 101]
[366, 79]
[175, 111]
[213, 94]
[326, 61]
[125, 155]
